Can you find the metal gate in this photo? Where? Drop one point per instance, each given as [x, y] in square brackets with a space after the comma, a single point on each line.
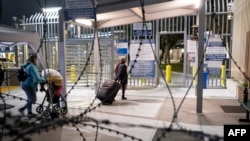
[80, 55]
[76, 56]
[49, 34]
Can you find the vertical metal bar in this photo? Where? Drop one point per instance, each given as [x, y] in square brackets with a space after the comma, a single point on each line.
[213, 10]
[223, 17]
[48, 25]
[160, 22]
[223, 23]
[168, 24]
[199, 87]
[172, 23]
[215, 79]
[178, 23]
[187, 24]
[61, 51]
[157, 44]
[181, 23]
[154, 29]
[185, 65]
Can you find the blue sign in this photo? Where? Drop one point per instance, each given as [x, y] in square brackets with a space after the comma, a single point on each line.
[139, 33]
[79, 9]
[71, 14]
[142, 29]
[143, 69]
[215, 57]
[122, 51]
[214, 71]
[217, 44]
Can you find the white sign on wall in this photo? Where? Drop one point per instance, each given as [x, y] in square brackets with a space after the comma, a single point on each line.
[144, 56]
[145, 53]
[122, 47]
[215, 50]
[138, 28]
[191, 46]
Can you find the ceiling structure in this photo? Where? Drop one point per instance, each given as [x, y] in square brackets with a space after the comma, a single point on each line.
[10, 36]
[112, 13]
[116, 12]
[119, 12]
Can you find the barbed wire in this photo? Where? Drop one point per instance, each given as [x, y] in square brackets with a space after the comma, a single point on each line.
[80, 133]
[82, 72]
[162, 75]
[3, 119]
[167, 130]
[112, 130]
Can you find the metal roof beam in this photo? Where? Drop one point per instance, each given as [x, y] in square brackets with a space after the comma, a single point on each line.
[137, 11]
[115, 5]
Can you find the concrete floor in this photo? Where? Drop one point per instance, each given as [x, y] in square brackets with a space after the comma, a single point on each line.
[139, 117]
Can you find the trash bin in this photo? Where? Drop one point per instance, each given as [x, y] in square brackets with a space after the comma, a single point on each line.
[205, 76]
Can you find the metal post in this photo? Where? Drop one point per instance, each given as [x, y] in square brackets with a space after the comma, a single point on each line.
[222, 77]
[96, 54]
[199, 86]
[185, 64]
[157, 48]
[168, 73]
[61, 51]
[96, 60]
[112, 62]
[230, 48]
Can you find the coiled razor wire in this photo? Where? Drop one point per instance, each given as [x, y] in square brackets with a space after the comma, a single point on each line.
[48, 124]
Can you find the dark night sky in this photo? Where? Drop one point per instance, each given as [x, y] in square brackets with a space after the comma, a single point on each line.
[19, 8]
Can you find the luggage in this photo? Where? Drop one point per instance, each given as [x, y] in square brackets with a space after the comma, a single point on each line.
[57, 90]
[52, 76]
[108, 91]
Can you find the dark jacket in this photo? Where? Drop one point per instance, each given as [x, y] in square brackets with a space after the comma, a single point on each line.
[122, 74]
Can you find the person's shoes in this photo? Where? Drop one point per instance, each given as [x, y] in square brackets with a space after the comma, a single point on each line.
[31, 115]
[21, 110]
[124, 98]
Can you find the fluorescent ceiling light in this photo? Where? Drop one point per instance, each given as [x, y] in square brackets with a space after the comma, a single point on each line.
[51, 9]
[84, 22]
[197, 3]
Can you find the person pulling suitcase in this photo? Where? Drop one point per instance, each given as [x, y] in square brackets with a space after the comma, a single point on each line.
[122, 76]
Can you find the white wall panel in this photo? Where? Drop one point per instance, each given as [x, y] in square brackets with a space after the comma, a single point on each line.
[241, 27]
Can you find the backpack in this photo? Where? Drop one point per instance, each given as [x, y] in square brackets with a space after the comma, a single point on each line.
[21, 74]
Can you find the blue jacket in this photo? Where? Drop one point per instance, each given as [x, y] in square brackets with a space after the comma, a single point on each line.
[33, 76]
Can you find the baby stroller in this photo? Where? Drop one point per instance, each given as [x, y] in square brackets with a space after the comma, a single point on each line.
[53, 95]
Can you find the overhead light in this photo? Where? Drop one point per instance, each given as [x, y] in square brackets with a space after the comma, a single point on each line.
[197, 3]
[84, 22]
[119, 31]
[51, 9]
[71, 25]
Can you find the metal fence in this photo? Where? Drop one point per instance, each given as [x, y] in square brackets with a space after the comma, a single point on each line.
[79, 41]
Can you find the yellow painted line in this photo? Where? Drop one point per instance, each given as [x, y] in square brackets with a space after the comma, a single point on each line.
[5, 89]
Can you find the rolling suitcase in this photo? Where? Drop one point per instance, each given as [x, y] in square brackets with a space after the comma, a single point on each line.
[108, 91]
